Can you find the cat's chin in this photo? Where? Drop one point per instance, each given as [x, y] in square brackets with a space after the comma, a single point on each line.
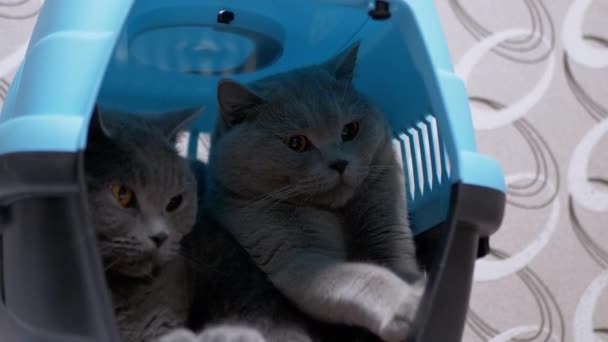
[137, 269]
[337, 197]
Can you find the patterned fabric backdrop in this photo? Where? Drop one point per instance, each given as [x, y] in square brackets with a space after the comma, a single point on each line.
[537, 76]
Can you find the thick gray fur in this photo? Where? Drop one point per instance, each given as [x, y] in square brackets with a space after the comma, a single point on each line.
[234, 300]
[148, 283]
[339, 247]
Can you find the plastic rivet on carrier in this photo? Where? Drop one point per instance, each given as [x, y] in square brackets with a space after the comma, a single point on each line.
[381, 11]
[225, 17]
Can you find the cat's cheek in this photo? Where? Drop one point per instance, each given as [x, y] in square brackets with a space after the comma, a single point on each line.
[183, 223]
[164, 256]
[354, 175]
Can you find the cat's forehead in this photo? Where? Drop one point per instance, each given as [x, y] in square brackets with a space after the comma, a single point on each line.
[158, 167]
[303, 115]
[308, 103]
[144, 160]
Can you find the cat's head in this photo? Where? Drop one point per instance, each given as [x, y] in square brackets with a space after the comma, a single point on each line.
[142, 195]
[303, 135]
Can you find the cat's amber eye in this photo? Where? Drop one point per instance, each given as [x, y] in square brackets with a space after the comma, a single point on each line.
[123, 195]
[174, 203]
[298, 143]
[349, 131]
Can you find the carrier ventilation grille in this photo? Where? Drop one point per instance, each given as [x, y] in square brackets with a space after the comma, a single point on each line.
[423, 156]
[194, 149]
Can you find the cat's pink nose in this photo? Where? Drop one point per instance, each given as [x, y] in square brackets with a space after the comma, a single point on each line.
[159, 238]
[339, 165]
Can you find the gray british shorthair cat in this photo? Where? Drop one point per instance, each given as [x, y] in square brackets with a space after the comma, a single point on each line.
[143, 199]
[302, 174]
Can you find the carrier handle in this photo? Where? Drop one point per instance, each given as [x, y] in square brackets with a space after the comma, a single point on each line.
[53, 285]
[25, 174]
[475, 213]
[15, 330]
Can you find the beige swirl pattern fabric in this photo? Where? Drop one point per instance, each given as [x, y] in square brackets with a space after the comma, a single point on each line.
[537, 76]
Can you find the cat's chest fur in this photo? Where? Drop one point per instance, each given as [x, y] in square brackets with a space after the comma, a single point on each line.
[321, 229]
[286, 226]
[148, 308]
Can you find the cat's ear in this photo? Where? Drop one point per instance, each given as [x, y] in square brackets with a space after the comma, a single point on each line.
[343, 65]
[176, 121]
[98, 132]
[233, 99]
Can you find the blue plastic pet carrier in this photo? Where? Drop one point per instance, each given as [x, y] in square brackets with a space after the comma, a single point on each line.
[159, 55]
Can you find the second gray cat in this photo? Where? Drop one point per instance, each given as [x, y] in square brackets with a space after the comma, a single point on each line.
[302, 174]
[143, 199]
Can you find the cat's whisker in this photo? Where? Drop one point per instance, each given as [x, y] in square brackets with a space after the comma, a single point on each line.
[113, 263]
[271, 199]
[380, 171]
[269, 205]
[149, 275]
[384, 168]
[373, 167]
[286, 194]
[274, 196]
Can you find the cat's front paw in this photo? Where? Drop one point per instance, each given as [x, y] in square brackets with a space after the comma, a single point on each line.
[398, 326]
[230, 333]
[178, 335]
